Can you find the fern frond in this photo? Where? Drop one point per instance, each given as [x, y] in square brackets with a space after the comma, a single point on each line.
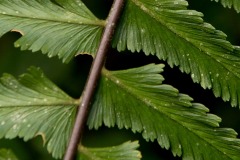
[167, 29]
[137, 99]
[33, 106]
[65, 29]
[6, 154]
[230, 3]
[125, 151]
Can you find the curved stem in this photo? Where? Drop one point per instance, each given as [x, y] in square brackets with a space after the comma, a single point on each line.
[93, 79]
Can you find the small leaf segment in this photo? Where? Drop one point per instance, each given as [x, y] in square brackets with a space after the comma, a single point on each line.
[6, 154]
[167, 29]
[136, 99]
[32, 106]
[64, 28]
[125, 151]
[230, 3]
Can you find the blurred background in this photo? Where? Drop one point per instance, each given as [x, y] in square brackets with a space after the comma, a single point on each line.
[71, 78]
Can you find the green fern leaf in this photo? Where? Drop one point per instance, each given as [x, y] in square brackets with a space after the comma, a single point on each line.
[125, 151]
[65, 29]
[137, 99]
[33, 106]
[230, 3]
[7, 155]
[167, 29]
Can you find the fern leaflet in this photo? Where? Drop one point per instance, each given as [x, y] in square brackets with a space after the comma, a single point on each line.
[125, 151]
[137, 99]
[167, 29]
[65, 29]
[33, 106]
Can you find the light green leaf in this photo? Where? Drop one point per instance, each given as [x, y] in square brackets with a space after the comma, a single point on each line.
[64, 28]
[167, 29]
[230, 3]
[125, 151]
[6, 154]
[137, 99]
[33, 106]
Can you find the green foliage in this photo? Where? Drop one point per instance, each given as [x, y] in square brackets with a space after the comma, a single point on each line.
[141, 102]
[135, 98]
[33, 106]
[65, 29]
[230, 3]
[7, 155]
[125, 151]
[180, 36]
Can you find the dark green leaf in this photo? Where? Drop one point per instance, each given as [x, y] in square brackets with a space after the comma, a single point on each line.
[137, 99]
[167, 29]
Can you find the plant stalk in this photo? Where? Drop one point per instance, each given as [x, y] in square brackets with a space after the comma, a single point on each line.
[93, 79]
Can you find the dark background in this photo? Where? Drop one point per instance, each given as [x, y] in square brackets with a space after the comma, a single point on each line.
[71, 78]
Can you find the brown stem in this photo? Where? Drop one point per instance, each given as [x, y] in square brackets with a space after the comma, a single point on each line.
[93, 79]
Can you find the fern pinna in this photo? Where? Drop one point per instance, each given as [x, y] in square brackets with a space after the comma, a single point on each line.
[136, 98]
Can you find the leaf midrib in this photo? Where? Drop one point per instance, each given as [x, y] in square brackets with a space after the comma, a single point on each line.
[69, 103]
[100, 23]
[110, 76]
[86, 152]
[148, 12]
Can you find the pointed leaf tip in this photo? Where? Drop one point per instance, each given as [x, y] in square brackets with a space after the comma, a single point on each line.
[230, 4]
